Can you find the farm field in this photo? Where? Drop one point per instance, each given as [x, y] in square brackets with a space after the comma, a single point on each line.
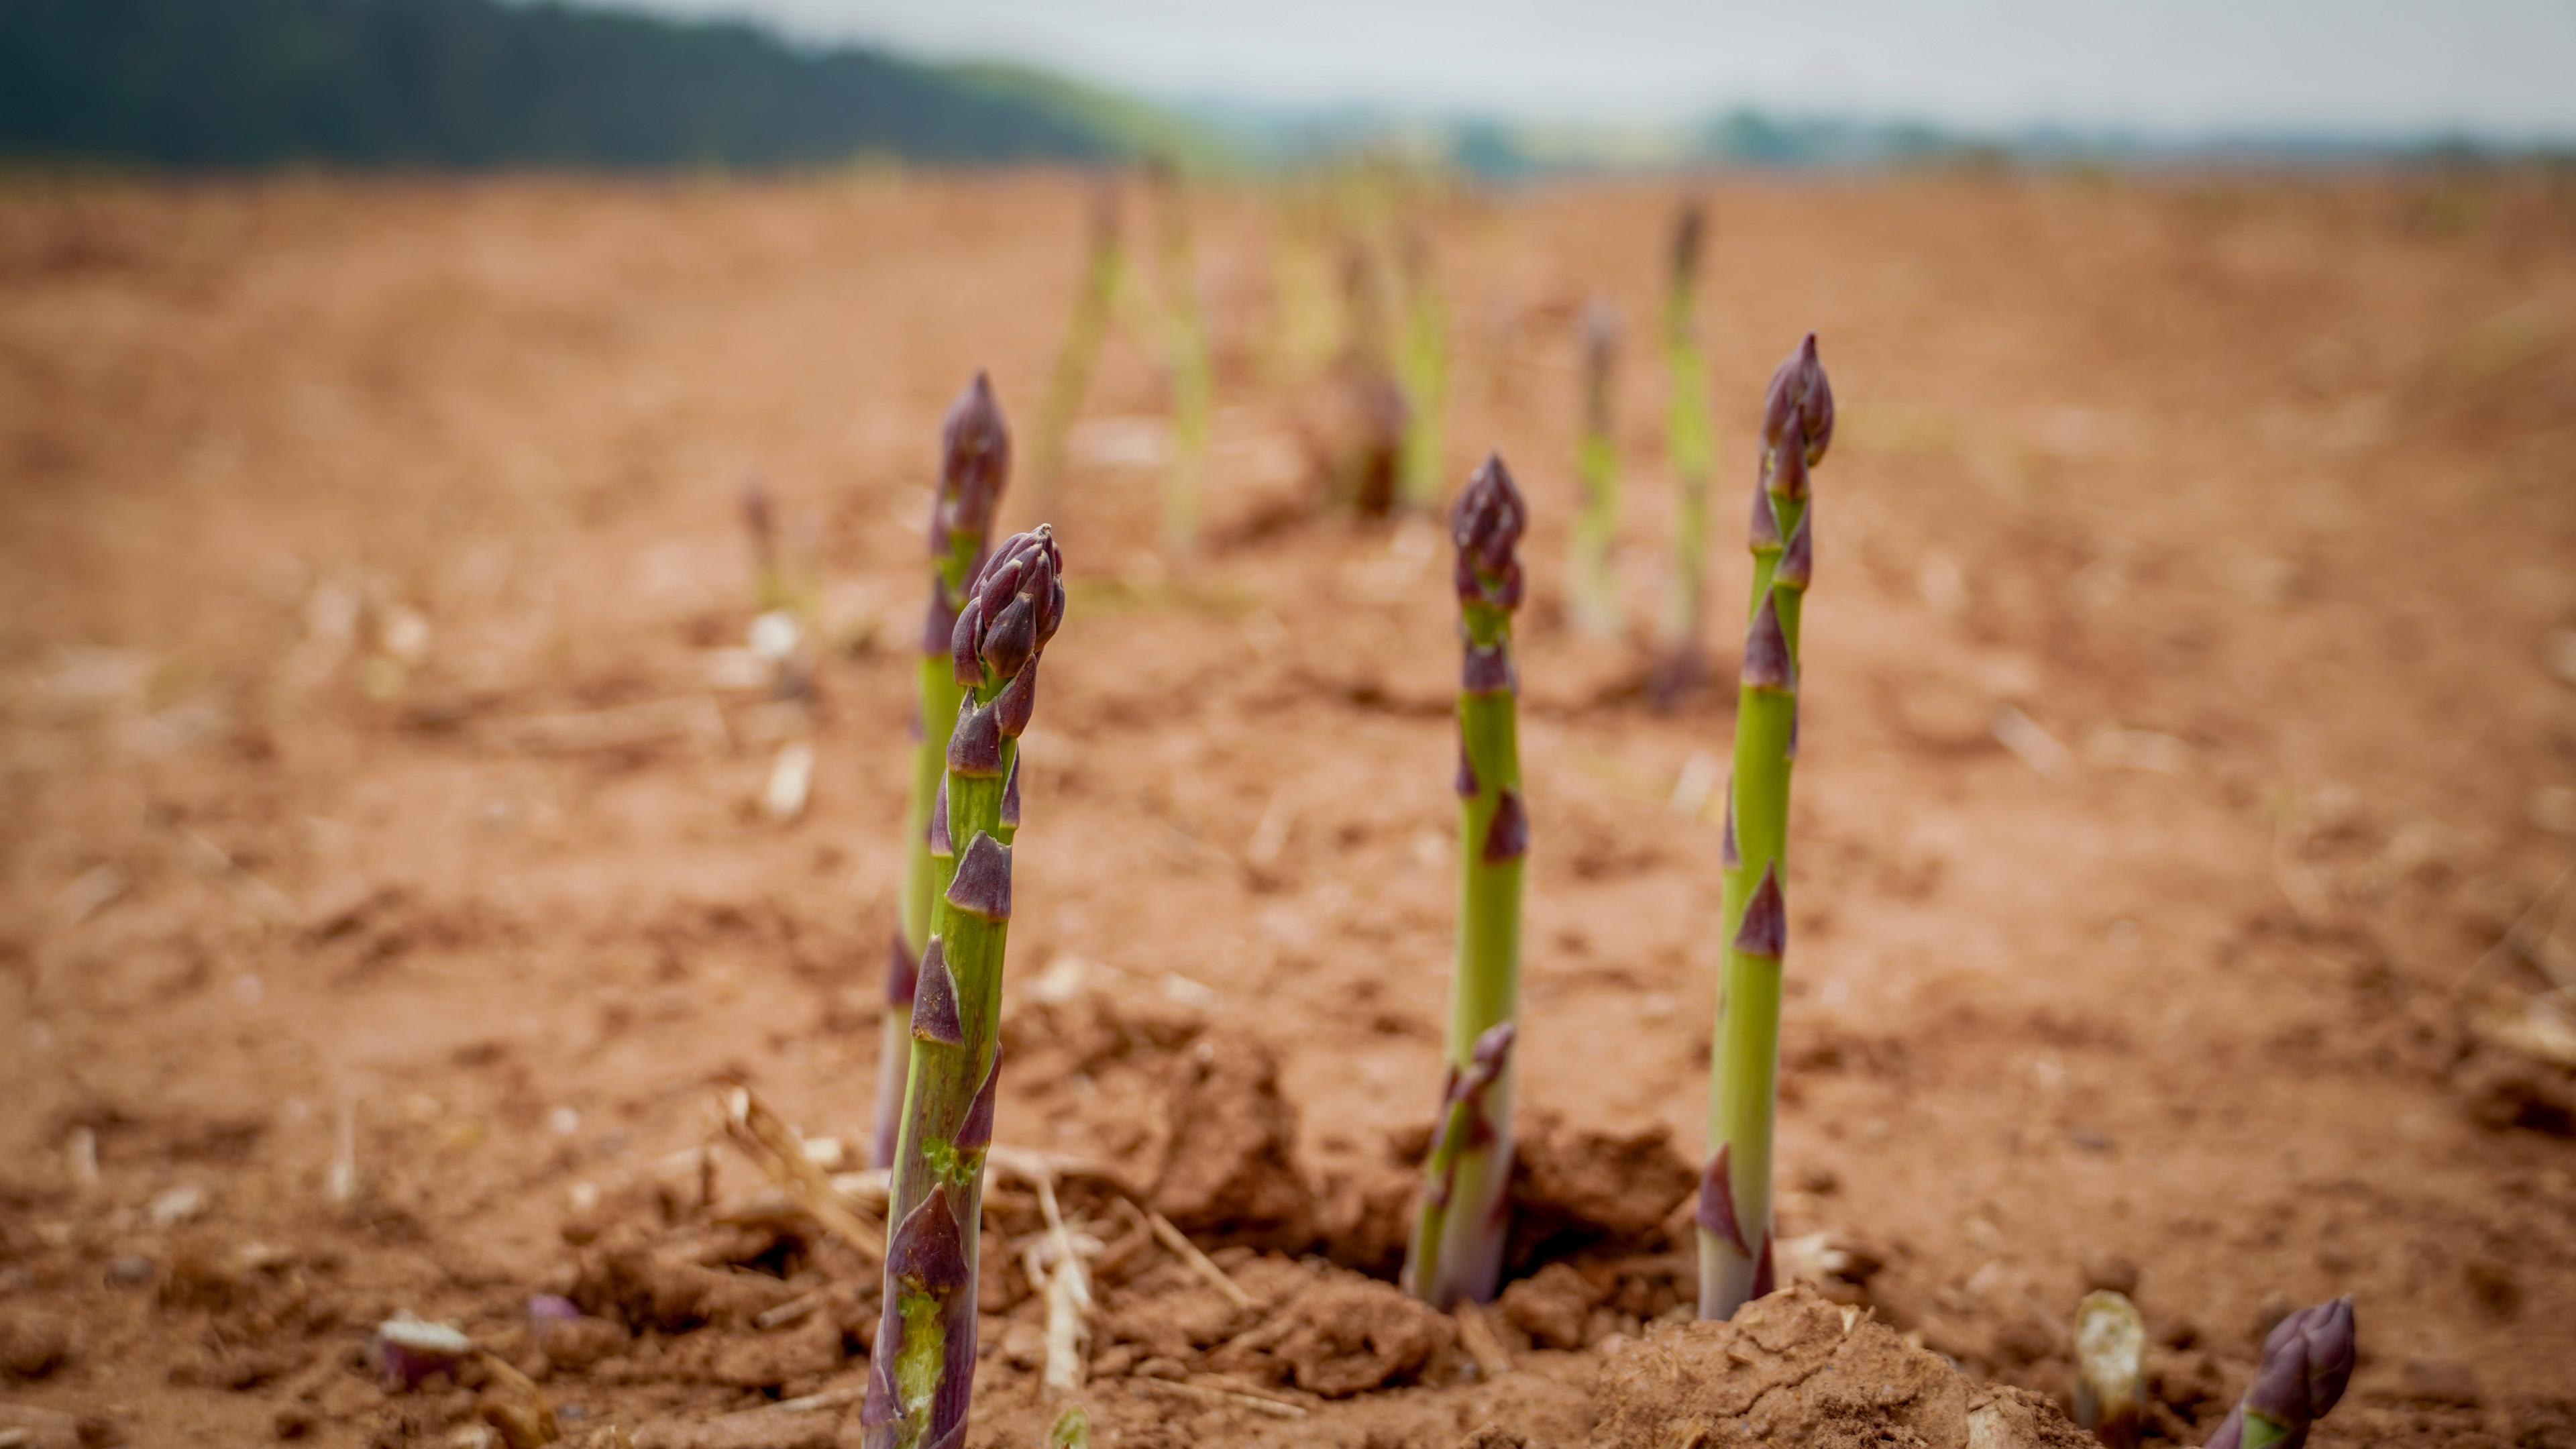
[390, 907]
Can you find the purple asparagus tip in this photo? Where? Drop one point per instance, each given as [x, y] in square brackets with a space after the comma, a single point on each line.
[974, 465]
[1487, 526]
[1799, 408]
[2307, 1361]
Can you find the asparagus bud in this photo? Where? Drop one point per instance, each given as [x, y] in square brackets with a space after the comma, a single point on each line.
[1596, 599]
[2307, 1361]
[1735, 1191]
[974, 467]
[2110, 1361]
[1457, 1249]
[923, 1370]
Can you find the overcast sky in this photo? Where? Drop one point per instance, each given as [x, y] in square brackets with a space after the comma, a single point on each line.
[2503, 68]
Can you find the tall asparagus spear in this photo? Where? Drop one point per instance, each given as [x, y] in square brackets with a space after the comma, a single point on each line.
[1457, 1250]
[1596, 598]
[974, 466]
[923, 1369]
[1735, 1188]
[2307, 1360]
[1690, 449]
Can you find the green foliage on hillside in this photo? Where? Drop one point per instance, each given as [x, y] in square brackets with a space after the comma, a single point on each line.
[472, 83]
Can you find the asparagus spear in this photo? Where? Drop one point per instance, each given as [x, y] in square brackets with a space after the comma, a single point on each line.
[1103, 267]
[1687, 429]
[1193, 379]
[1457, 1248]
[1735, 1188]
[1596, 599]
[923, 1370]
[974, 466]
[2307, 1360]
[1423, 362]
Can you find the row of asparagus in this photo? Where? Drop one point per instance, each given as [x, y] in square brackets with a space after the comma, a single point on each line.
[991, 611]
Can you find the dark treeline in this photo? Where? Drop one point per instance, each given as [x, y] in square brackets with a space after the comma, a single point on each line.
[469, 83]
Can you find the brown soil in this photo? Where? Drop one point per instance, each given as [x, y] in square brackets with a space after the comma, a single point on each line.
[2182, 740]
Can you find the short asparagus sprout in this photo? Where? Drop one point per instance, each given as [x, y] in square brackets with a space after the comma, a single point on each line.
[2110, 1365]
[2307, 1361]
[1072, 1430]
[1104, 270]
[923, 1370]
[1596, 529]
[1689, 449]
[974, 467]
[1457, 1250]
[1193, 376]
[1735, 1188]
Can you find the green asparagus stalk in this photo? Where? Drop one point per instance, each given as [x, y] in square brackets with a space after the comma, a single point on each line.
[1735, 1188]
[974, 467]
[1690, 450]
[2307, 1361]
[1193, 377]
[1596, 598]
[1104, 270]
[923, 1369]
[1422, 364]
[1457, 1249]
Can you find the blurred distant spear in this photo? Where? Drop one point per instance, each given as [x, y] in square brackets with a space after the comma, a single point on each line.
[1103, 270]
[1422, 367]
[1193, 379]
[1690, 450]
[1595, 592]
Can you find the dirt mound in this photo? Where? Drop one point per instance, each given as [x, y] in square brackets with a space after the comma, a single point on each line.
[1795, 1368]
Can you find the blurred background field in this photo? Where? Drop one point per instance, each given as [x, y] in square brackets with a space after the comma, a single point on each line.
[403, 850]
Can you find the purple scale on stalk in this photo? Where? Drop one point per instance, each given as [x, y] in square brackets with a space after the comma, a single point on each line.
[1797, 712]
[1788, 476]
[1017, 702]
[934, 1000]
[1465, 780]
[975, 1130]
[1766, 651]
[1010, 816]
[1762, 534]
[1728, 856]
[928, 1253]
[903, 973]
[1798, 561]
[939, 842]
[1765, 931]
[1486, 669]
[1765, 1276]
[1507, 837]
[964, 666]
[983, 883]
[975, 750]
[1716, 1211]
